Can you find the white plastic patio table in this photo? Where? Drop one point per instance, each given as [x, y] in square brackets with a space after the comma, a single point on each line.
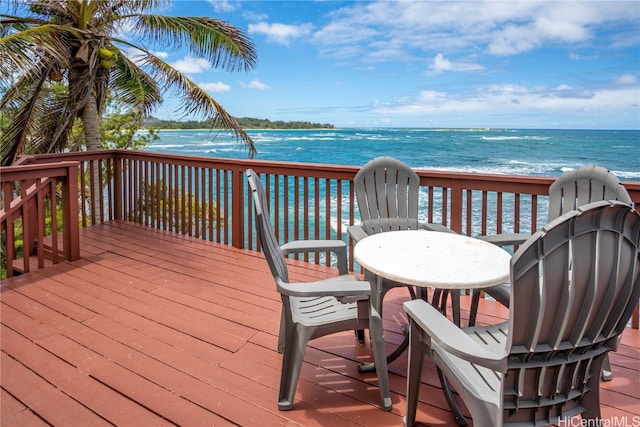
[433, 259]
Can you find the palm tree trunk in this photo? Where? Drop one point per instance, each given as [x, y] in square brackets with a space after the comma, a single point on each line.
[90, 121]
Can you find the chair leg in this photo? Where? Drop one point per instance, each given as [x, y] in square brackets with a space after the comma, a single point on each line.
[475, 302]
[294, 349]
[591, 401]
[379, 355]
[607, 375]
[455, 306]
[414, 373]
[281, 334]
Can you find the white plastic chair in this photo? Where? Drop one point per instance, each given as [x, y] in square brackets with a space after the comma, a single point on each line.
[570, 191]
[387, 193]
[575, 285]
[314, 309]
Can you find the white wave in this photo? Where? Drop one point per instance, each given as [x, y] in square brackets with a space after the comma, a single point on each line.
[626, 174]
[511, 138]
[511, 167]
[169, 145]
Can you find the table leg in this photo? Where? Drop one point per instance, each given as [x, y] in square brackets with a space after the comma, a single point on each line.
[439, 299]
[453, 405]
[440, 302]
[376, 295]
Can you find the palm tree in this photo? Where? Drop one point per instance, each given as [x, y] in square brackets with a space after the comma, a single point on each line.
[79, 43]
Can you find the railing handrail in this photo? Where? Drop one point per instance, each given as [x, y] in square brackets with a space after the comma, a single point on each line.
[308, 169]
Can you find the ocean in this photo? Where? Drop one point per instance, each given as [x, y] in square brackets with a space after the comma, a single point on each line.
[537, 152]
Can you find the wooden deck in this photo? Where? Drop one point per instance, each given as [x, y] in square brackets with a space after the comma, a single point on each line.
[152, 328]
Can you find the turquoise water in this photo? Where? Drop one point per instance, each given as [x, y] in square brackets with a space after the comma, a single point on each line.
[508, 151]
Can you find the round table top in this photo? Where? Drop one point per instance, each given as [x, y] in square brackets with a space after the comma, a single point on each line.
[434, 259]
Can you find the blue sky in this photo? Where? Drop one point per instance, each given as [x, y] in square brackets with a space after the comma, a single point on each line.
[515, 64]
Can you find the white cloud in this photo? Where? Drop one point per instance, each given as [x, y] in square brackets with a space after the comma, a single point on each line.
[160, 54]
[191, 65]
[628, 80]
[514, 39]
[256, 84]
[280, 33]
[498, 28]
[440, 64]
[215, 87]
[508, 98]
[579, 57]
[221, 6]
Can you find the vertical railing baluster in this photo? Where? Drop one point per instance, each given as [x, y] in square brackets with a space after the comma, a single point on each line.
[483, 218]
[499, 213]
[286, 202]
[99, 165]
[296, 208]
[516, 213]
[469, 216]
[55, 253]
[226, 185]
[218, 209]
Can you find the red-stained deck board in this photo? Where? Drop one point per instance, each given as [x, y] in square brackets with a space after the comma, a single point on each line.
[16, 414]
[44, 398]
[153, 328]
[75, 383]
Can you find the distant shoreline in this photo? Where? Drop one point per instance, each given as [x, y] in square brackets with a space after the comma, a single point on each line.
[245, 129]
[387, 127]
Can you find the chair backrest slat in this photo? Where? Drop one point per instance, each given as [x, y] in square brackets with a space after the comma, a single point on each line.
[387, 194]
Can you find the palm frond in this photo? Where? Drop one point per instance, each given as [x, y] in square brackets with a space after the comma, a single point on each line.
[19, 50]
[25, 107]
[134, 87]
[51, 133]
[196, 101]
[217, 41]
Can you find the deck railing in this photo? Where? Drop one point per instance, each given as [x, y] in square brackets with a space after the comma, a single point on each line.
[30, 215]
[208, 197]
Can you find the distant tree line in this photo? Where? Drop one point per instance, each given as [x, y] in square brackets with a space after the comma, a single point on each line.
[245, 123]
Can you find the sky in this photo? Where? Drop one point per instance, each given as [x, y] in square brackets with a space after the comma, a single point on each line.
[432, 64]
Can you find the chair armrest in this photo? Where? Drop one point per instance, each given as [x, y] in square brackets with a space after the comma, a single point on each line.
[305, 246]
[356, 232]
[432, 226]
[505, 239]
[344, 290]
[452, 339]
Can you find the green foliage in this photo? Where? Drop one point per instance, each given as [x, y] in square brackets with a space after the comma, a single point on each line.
[119, 126]
[245, 122]
[185, 212]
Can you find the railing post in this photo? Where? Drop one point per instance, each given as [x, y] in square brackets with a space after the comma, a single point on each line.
[237, 209]
[456, 206]
[70, 212]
